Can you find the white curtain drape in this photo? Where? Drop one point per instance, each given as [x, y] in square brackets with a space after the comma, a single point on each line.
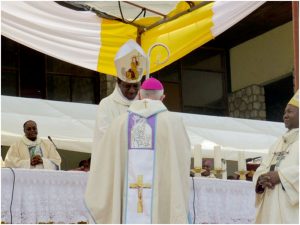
[57, 31]
[71, 127]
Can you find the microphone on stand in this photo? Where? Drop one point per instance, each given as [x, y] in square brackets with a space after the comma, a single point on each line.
[57, 149]
[52, 142]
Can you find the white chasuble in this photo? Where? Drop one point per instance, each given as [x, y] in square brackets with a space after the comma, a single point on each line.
[140, 169]
[280, 204]
[140, 173]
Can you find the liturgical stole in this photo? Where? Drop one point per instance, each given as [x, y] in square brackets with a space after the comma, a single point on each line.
[139, 179]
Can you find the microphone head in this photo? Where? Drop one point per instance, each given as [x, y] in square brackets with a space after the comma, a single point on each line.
[52, 141]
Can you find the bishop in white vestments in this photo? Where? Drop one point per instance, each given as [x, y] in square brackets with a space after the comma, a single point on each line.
[130, 62]
[141, 172]
[277, 178]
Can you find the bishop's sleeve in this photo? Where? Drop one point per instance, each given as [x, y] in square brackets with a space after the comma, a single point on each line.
[289, 177]
[52, 159]
[103, 195]
[261, 170]
[16, 158]
[103, 119]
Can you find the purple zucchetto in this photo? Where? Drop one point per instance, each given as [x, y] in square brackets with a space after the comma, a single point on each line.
[152, 84]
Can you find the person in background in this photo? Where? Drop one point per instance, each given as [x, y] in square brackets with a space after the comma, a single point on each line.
[84, 165]
[31, 152]
[277, 178]
[231, 177]
[141, 173]
[130, 62]
[207, 164]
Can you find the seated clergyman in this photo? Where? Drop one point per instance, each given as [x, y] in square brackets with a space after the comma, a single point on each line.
[31, 152]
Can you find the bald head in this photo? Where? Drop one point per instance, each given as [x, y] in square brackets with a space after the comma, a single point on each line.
[152, 89]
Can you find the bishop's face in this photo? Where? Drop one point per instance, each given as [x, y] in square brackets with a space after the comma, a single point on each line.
[129, 90]
[291, 117]
[30, 130]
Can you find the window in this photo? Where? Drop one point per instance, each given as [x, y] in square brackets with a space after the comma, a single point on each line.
[277, 94]
[196, 83]
[9, 67]
[28, 73]
[204, 82]
[67, 82]
[170, 78]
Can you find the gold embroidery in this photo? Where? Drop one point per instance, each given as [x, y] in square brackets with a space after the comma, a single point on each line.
[139, 185]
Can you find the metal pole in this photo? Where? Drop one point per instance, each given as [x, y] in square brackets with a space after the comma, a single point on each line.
[295, 9]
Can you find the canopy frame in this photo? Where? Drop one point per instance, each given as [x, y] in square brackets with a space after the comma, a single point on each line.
[141, 29]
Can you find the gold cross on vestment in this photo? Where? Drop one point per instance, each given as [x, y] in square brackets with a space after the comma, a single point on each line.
[280, 157]
[139, 185]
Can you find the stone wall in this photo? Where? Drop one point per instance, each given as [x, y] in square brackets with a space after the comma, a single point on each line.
[248, 103]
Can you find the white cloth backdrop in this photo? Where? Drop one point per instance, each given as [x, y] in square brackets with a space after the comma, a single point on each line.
[75, 36]
[71, 127]
[45, 27]
[58, 196]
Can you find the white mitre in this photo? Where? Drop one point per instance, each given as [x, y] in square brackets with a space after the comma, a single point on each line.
[130, 62]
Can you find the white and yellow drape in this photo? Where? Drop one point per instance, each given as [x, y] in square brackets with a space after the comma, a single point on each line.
[84, 39]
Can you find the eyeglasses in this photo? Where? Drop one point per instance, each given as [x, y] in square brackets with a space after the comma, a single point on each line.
[30, 128]
[129, 86]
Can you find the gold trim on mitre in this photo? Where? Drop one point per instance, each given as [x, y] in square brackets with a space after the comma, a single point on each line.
[130, 62]
[295, 100]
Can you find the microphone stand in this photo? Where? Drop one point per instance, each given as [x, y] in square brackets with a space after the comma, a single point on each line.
[61, 155]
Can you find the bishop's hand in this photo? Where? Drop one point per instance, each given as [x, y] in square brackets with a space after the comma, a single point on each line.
[267, 180]
[37, 159]
[274, 177]
[263, 182]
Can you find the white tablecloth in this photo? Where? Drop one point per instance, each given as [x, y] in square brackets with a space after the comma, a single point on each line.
[222, 201]
[58, 197]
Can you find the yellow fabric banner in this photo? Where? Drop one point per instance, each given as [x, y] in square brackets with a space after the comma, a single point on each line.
[113, 34]
[182, 36]
[87, 40]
